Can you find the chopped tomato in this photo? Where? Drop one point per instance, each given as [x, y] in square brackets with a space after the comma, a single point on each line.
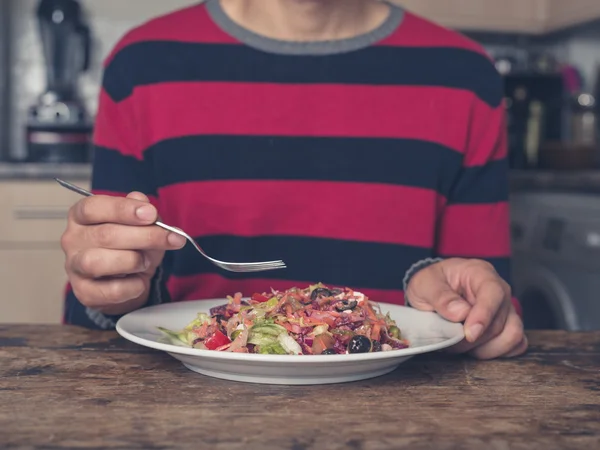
[259, 298]
[217, 340]
[376, 332]
[322, 342]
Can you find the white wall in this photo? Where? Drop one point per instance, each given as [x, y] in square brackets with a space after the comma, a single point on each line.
[583, 50]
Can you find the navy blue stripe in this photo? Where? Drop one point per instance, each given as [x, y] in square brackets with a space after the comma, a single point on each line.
[75, 313]
[151, 62]
[116, 172]
[482, 184]
[390, 161]
[346, 263]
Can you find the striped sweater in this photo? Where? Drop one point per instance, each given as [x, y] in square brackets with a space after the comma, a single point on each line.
[351, 160]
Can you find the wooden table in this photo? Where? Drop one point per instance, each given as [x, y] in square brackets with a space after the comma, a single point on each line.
[64, 387]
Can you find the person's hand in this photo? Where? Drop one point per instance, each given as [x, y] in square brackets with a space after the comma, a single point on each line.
[112, 251]
[471, 291]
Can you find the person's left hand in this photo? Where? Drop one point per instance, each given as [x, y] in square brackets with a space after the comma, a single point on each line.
[471, 291]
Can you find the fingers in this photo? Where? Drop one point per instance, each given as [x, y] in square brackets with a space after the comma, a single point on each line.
[429, 291]
[138, 196]
[125, 237]
[510, 342]
[99, 209]
[490, 294]
[495, 328]
[101, 262]
[445, 302]
[519, 349]
[110, 291]
[450, 305]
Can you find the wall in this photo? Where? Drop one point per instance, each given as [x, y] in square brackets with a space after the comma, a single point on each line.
[582, 48]
[4, 64]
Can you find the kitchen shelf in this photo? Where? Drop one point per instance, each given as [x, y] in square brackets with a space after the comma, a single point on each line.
[582, 181]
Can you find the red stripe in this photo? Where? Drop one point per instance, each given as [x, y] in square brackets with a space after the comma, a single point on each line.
[209, 286]
[488, 137]
[180, 109]
[475, 230]
[115, 127]
[352, 211]
[419, 32]
[517, 305]
[189, 24]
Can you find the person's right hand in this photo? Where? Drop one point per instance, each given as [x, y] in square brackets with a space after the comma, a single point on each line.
[113, 250]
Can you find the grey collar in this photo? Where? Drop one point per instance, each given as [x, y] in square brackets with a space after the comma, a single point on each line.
[270, 45]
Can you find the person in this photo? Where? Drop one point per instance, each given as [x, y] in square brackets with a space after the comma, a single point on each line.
[360, 143]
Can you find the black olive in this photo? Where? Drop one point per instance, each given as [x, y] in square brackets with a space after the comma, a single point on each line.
[219, 318]
[222, 309]
[336, 291]
[329, 351]
[320, 292]
[343, 305]
[376, 346]
[359, 344]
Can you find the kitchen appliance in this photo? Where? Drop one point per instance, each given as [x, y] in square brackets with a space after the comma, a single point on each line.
[556, 259]
[578, 149]
[58, 126]
[4, 77]
[535, 108]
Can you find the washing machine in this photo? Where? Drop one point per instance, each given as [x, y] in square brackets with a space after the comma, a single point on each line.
[556, 259]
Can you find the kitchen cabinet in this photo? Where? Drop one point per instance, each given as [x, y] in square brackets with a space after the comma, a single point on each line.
[33, 216]
[512, 16]
[565, 13]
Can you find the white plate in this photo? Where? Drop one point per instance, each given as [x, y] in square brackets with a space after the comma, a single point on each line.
[427, 332]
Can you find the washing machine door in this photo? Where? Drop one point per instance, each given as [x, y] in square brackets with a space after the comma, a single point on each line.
[546, 301]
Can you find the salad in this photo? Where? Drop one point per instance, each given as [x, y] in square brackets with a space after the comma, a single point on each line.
[317, 320]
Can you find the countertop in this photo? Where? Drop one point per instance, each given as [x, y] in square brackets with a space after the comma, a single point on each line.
[65, 387]
[33, 171]
[583, 181]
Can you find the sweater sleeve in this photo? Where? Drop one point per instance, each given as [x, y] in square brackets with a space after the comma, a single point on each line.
[475, 222]
[118, 168]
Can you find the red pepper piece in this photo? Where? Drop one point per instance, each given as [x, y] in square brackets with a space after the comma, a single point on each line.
[259, 298]
[218, 339]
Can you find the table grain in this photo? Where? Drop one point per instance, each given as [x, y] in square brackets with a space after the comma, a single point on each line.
[66, 387]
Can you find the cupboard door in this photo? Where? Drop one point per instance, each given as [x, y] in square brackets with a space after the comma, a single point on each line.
[563, 13]
[34, 211]
[484, 15]
[33, 282]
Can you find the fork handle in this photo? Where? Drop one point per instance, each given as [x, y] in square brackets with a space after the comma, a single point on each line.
[86, 193]
[170, 228]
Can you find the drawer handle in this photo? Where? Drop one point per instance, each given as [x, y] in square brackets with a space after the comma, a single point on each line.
[41, 214]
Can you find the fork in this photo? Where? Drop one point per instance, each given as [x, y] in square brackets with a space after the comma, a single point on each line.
[230, 266]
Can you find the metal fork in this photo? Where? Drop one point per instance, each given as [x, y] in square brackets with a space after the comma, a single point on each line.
[230, 266]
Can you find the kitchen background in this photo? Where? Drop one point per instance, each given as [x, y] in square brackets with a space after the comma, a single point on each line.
[547, 50]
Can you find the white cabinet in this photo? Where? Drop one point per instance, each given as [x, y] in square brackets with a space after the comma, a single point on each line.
[32, 278]
[33, 281]
[565, 13]
[519, 16]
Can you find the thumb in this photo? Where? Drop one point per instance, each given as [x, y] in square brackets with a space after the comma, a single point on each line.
[154, 256]
[138, 196]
